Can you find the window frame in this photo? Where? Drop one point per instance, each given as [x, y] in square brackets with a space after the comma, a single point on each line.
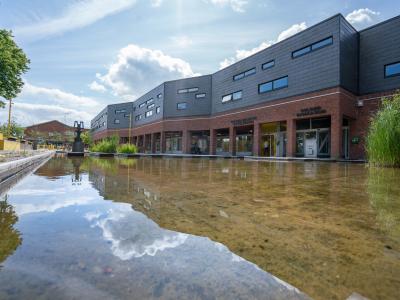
[241, 95]
[310, 46]
[177, 105]
[200, 95]
[150, 106]
[148, 114]
[268, 62]
[227, 95]
[273, 86]
[158, 109]
[390, 76]
[242, 75]
[115, 121]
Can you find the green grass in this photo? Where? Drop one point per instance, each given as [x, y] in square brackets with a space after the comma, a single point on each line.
[383, 140]
[127, 148]
[108, 145]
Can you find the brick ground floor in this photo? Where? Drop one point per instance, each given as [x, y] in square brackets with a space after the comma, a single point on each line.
[329, 123]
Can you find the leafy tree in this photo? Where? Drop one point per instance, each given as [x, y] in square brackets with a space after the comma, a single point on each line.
[13, 62]
[16, 130]
[87, 138]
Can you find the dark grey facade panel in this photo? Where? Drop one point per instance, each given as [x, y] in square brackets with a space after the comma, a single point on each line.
[314, 71]
[379, 45]
[118, 115]
[195, 106]
[348, 56]
[158, 102]
[99, 123]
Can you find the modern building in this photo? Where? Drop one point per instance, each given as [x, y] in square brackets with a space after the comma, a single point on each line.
[311, 95]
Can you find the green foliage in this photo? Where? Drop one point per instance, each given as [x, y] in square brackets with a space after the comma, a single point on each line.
[13, 63]
[16, 130]
[87, 138]
[108, 145]
[127, 148]
[383, 141]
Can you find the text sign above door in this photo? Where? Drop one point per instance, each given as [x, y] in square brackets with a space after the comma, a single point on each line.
[315, 110]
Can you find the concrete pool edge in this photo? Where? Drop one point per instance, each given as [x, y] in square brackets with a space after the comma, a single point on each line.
[10, 169]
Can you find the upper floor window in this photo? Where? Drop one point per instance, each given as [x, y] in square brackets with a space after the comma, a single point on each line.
[116, 121]
[181, 106]
[120, 111]
[127, 115]
[276, 84]
[149, 113]
[142, 104]
[158, 109]
[244, 74]
[138, 117]
[233, 96]
[134, 108]
[315, 46]
[202, 95]
[159, 96]
[151, 100]
[392, 70]
[189, 90]
[268, 64]
[150, 106]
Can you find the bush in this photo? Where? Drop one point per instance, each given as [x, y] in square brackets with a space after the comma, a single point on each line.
[383, 140]
[127, 148]
[108, 145]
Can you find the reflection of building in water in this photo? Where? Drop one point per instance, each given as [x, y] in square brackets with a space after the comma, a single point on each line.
[10, 237]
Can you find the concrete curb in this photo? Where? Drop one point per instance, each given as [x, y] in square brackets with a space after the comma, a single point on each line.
[11, 168]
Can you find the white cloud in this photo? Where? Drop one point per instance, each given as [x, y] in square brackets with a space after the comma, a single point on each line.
[138, 70]
[97, 87]
[182, 41]
[242, 54]
[77, 15]
[235, 5]
[362, 16]
[156, 3]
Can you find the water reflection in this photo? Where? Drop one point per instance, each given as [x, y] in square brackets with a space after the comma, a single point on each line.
[10, 238]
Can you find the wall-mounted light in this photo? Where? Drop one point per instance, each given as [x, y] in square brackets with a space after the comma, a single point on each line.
[360, 103]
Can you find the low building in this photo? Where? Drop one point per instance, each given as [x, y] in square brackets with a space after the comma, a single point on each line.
[50, 133]
[310, 95]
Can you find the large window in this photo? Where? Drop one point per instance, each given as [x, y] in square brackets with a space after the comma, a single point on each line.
[188, 90]
[268, 64]
[244, 74]
[392, 70]
[234, 96]
[318, 45]
[181, 106]
[149, 113]
[276, 84]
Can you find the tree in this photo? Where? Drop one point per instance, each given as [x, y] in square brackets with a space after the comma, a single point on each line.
[16, 130]
[13, 63]
[86, 138]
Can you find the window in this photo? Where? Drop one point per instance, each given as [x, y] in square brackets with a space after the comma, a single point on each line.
[158, 109]
[392, 70]
[234, 96]
[138, 117]
[189, 90]
[159, 96]
[134, 108]
[268, 64]
[276, 84]
[226, 98]
[318, 45]
[181, 106]
[151, 100]
[244, 74]
[202, 95]
[280, 83]
[142, 104]
[116, 121]
[237, 95]
[127, 115]
[150, 106]
[120, 111]
[149, 113]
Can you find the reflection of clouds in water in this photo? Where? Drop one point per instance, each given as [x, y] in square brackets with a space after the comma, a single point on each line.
[132, 234]
[37, 192]
[222, 248]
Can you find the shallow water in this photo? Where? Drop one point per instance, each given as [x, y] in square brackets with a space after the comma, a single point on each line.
[200, 229]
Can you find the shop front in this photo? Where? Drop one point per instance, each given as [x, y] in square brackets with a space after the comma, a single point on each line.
[313, 137]
[273, 139]
[244, 141]
[222, 142]
[199, 142]
[173, 142]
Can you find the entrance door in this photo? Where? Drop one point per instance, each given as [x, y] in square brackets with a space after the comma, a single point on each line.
[268, 145]
[310, 145]
[345, 142]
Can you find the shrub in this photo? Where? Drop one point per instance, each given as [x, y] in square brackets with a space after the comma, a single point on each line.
[127, 148]
[108, 145]
[383, 140]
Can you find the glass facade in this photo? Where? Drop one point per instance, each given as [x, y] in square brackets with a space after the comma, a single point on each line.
[173, 142]
[199, 142]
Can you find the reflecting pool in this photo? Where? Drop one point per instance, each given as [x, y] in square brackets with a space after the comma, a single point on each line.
[169, 228]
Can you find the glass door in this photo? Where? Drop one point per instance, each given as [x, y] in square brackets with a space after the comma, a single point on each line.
[310, 144]
[323, 143]
[268, 145]
[345, 142]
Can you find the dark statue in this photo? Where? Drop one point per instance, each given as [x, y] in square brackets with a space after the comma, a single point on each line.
[78, 145]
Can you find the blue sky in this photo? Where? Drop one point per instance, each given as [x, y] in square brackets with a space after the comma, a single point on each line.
[86, 54]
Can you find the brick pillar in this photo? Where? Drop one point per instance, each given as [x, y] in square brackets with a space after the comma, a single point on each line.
[291, 138]
[232, 140]
[153, 143]
[186, 141]
[213, 141]
[336, 135]
[144, 144]
[162, 141]
[256, 139]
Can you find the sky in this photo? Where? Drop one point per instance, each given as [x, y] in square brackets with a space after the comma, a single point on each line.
[86, 54]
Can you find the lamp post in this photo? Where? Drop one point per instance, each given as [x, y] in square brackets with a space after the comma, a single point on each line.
[130, 128]
[9, 117]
